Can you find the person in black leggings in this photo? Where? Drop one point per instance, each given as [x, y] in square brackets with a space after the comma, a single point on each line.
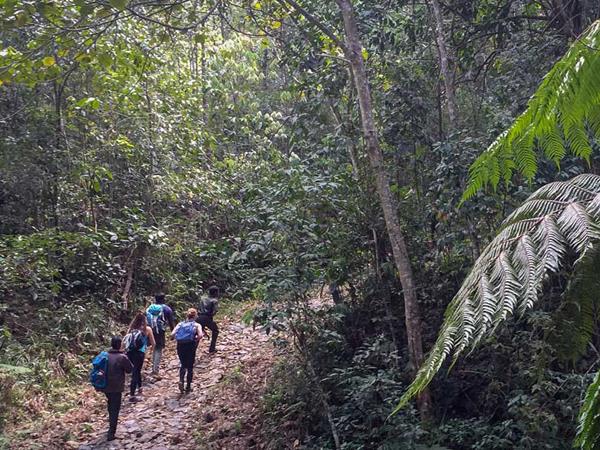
[188, 334]
[136, 354]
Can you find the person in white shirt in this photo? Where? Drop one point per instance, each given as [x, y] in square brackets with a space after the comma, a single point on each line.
[188, 335]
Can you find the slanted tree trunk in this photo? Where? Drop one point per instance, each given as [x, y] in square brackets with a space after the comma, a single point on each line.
[353, 51]
[445, 70]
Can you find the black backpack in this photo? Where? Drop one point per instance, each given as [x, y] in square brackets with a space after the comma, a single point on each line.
[134, 341]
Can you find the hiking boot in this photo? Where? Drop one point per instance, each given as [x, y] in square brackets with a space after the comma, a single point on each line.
[110, 436]
[134, 399]
[181, 387]
[188, 389]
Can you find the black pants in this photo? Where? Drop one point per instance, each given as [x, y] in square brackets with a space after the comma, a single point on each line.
[187, 356]
[208, 322]
[137, 359]
[113, 403]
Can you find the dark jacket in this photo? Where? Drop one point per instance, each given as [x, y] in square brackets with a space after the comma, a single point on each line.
[209, 306]
[118, 365]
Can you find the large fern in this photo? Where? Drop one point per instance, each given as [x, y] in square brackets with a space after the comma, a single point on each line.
[556, 223]
[588, 431]
[561, 117]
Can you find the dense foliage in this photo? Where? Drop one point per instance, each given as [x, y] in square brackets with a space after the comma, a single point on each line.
[152, 146]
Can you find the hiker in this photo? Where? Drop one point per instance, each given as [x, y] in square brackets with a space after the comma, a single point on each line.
[118, 365]
[136, 343]
[208, 308]
[158, 315]
[188, 334]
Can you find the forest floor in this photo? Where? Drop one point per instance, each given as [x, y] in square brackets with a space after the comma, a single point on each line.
[222, 412]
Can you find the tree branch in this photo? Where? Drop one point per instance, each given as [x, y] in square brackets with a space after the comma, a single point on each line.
[193, 26]
[316, 22]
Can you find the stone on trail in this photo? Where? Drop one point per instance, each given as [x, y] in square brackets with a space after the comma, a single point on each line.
[172, 403]
[148, 436]
[176, 439]
[131, 423]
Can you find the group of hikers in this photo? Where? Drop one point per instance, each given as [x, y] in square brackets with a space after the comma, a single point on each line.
[149, 329]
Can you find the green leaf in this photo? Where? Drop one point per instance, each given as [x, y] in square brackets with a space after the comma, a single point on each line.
[119, 4]
[48, 61]
[88, 102]
[105, 59]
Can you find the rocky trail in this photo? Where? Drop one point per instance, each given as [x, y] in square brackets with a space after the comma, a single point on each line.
[221, 412]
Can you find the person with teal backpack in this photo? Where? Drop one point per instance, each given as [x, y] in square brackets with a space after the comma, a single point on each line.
[158, 316]
[187, 334]
[108, 376]
[135, 343]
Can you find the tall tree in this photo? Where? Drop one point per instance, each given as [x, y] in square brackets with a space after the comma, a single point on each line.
[353, 51]
[354, 54]
[445, 69]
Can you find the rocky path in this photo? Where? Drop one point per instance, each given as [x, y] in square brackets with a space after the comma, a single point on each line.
[222, 412]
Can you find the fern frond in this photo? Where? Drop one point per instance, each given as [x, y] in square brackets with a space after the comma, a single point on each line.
[577, 317]
[558, 220]
[553, 146]
[567, 99]
[588, 431]
[577, 139]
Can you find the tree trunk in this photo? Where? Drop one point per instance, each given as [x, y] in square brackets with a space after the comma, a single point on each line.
[445, 70]
[353, 51]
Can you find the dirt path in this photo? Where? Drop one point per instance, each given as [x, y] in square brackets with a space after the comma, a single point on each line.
[221, 412]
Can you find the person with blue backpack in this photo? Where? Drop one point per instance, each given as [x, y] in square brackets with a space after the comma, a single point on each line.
[158, 316]
[187, 334]
[108, 376]
[135, 343]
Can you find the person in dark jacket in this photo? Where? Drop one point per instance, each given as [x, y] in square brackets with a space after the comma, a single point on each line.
[118, 365]
[207, 310]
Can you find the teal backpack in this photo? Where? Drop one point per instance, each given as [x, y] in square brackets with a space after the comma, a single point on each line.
[156, 318]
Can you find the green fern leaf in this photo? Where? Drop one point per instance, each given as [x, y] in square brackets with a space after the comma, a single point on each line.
[558, 220]
[568, 98]
[577, 318]
[588, 432]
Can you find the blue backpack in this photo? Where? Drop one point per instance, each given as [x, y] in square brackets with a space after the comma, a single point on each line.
[99, 373]
[186, 332]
